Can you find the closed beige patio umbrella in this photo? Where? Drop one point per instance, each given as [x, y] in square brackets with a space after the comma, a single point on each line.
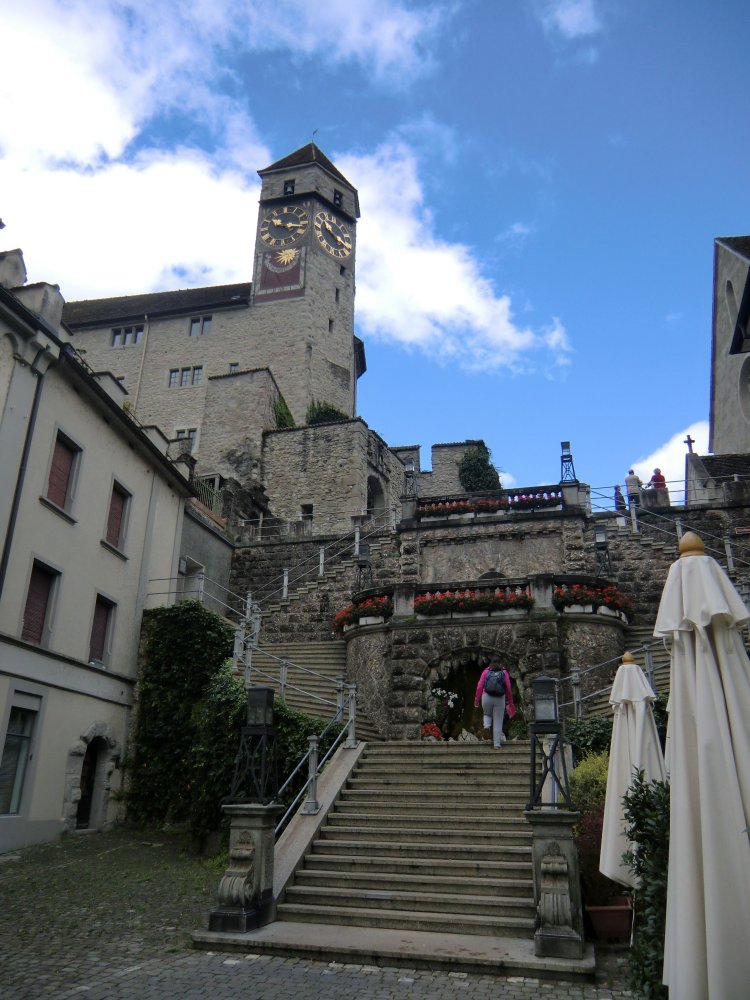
[707, 943]
[635, 745]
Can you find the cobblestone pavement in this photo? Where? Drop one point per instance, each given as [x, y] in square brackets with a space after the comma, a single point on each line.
[109, 916]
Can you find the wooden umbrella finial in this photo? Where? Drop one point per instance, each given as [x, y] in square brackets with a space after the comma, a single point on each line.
[691, 545]
[628, 657]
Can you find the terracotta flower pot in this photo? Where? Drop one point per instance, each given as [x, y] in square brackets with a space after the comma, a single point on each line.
[612, 921]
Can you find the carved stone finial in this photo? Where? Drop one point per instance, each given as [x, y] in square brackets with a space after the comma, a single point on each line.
[691, 545]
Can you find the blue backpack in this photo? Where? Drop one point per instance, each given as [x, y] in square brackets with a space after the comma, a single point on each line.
[494, 682]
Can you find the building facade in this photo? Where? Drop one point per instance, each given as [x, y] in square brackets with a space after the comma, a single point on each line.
[91, 517]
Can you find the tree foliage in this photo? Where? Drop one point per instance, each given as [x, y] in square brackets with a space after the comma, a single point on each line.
[646, 808]
[589, 736]
[476, 472]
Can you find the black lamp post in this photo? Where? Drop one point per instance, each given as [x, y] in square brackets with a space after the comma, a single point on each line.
[256, 777]
[546, 748]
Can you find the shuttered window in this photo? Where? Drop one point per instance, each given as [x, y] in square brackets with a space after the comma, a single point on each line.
[116, 516]
[61, 472]
[99, 630]
[37, 603]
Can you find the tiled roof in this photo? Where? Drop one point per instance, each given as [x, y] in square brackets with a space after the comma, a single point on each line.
[724, 466]
[740, 244]
[99, 312]
[304, 155]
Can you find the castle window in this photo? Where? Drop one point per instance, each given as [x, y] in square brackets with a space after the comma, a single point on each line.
[234, 367]
[200, 326]
[337, 296]
[342, 270]
[306, 511]
[185, 376]
[330, 326]
[337, 197]
[188, 436]
[289, 187]
[126, 336]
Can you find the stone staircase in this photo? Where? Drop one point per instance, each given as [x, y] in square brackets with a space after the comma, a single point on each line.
[427, 837]
[311, 692]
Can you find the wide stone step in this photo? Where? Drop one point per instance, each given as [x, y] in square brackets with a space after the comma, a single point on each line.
[409, 819]
[418, 791]
[454, 777]
[381, 881]
[394, 863]
[479, 799]
[415, 920]
[364, 844]
[432, 836]
[386, 899]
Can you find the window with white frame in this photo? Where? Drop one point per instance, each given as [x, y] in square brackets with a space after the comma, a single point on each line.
[17, 750]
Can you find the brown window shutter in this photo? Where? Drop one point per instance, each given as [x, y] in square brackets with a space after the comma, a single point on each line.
[114, 518]
[37, 600]
[59, 473]
[99, 629]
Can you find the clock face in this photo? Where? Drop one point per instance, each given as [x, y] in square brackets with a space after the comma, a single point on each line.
[283, 226]
[333, 234]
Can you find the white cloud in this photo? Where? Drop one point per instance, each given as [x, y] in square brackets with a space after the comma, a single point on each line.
[424, 292]
[570, 18]
[670, 457]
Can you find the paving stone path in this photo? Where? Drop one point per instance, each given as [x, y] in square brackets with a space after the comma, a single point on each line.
[108, 917]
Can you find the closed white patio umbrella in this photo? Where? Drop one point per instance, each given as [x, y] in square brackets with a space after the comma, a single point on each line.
[635, 746]
[707, 944]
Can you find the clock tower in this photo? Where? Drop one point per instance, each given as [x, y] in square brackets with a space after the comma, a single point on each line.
[303, 282]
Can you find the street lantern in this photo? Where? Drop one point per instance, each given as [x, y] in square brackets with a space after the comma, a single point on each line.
[256, 777]
[410, 478]
[544, 693]
[547, 752]
[363, 578]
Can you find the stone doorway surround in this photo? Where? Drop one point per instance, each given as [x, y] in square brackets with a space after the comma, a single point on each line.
[107, 760]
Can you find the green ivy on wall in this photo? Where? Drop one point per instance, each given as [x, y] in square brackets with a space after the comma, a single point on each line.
[282, 414]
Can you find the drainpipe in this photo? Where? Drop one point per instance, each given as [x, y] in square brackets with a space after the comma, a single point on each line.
[143, 361]
[21, 473]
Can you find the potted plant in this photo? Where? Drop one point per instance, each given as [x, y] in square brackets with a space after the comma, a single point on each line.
[606, 904]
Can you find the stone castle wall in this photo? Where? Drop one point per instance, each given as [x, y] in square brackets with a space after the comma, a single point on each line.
[238, 409]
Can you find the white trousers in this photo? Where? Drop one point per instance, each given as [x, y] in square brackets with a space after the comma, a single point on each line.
[493, 706]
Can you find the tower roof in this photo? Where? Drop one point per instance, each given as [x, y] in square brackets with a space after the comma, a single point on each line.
[303, 156]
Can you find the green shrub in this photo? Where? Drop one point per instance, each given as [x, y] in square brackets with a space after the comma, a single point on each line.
[646, 807]
[476, 472]
[325, 413]
[589, 736]
[282, 414]
[588, 782]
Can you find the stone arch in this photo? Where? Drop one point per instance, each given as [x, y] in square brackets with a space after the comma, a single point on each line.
[88, 773]
[458, 671]
[375, 497]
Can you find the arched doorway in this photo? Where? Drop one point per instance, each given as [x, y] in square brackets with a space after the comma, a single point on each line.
[375, 497]
[91, 784]
[453, 680]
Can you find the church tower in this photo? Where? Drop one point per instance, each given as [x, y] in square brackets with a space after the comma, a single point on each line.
[304, 279]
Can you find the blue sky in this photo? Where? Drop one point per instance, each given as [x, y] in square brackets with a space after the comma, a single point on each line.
[540, 181]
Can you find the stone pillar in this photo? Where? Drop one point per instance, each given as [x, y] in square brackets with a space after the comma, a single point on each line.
[408, 508]
[403, 600]
[541, 590]
[246, 888]
[557, 889]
